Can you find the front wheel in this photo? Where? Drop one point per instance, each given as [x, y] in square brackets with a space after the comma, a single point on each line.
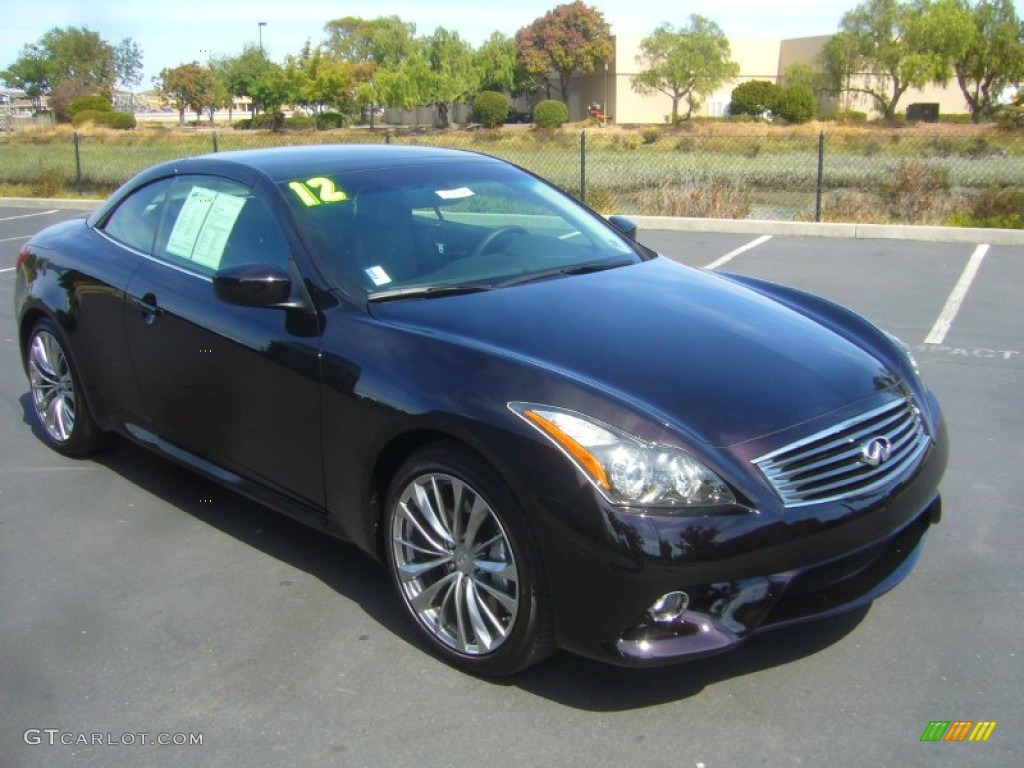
[461, 557]
[59, 406]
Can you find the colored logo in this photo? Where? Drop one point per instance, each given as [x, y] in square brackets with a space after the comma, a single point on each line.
[958, 730]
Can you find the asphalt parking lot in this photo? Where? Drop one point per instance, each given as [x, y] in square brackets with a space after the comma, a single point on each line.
[140, 599]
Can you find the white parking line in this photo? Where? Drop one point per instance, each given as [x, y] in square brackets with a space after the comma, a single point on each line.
[956, 297]
[733, 254]
[9, 239]
[30, 215]
[7, 269]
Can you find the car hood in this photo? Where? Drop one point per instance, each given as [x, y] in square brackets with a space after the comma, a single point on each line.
[694, 349]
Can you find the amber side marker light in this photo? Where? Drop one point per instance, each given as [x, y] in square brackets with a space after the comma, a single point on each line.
[577, 451]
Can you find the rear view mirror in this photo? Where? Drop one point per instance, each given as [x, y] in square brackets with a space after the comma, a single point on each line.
[625, 225]
[253, 285]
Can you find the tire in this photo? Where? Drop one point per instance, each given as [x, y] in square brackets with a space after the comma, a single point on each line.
[469, 581]
[58, 403]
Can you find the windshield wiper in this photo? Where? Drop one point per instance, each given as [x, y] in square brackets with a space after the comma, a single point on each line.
[427, 292]
[573, 269]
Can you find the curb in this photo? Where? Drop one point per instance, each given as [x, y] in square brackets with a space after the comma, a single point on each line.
[820, 229]
[722, 226]
[66, 203]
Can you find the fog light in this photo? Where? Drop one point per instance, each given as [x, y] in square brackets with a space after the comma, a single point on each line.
[669, 606]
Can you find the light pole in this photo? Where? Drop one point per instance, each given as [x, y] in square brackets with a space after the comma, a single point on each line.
[262, 24]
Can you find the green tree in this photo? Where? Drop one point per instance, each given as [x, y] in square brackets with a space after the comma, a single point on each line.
[373, 47]
[274, 89]
[321, 82]
[236, 75]
[495, 62]
[187, 86]
[684, 63]
[983, 41]
[128, 63]
[803, 74]
[568, 39]
[66, 54]
[453, 74]
[30, 73]
[78, 53]
[883, 49]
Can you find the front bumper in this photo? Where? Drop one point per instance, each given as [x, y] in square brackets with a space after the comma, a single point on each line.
[743, 574]
[723, 615]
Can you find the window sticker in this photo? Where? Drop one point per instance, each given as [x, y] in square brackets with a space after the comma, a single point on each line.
[201, 230]
[327, 191]
[378, 275]
[454, 194]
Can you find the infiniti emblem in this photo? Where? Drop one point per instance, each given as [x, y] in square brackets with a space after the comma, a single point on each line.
[875, 451]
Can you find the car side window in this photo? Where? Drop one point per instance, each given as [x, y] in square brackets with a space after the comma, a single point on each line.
[135, 221]
[211, 223]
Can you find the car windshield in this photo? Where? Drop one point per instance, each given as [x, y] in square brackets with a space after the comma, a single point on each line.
[440, 228]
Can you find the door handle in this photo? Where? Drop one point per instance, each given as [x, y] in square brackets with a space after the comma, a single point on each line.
[147, 304]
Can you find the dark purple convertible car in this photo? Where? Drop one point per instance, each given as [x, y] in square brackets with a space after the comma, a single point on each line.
[551, 436]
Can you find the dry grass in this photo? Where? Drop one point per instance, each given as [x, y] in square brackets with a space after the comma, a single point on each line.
[714, 199]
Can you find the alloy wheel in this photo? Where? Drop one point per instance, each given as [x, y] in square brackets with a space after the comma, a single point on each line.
[53, 386]
[455, 564]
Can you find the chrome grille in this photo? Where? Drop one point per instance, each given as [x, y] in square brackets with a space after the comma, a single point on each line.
[836, 462]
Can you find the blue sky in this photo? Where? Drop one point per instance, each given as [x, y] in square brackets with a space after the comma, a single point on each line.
[178, 31]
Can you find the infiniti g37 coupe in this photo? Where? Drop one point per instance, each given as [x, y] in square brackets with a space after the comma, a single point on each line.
[551, 436]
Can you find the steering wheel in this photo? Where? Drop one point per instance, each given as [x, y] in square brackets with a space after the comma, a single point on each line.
[489, 238]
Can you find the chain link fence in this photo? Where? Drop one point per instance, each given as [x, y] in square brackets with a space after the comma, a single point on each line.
[866, 176]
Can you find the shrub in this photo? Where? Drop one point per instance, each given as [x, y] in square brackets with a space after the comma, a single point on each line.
[326, 121]
[754, 98]
[912, 195]
[851, 116]
[852, 206]
[299, 122]
[1010, 117]
[1001, 207]
[600, 199]
[121, 121]
[628, 141]
[272, 120]
[88, 116]
[796, 104]
[686, 144]
[714, 198]
[490, 109]
[88, 103]
[550, 114]
[244, 124]
[650, 135]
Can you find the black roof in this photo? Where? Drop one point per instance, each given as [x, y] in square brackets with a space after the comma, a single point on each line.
[281, 163]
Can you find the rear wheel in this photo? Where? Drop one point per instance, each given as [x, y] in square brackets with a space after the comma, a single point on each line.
[58, 404]
[464, 564]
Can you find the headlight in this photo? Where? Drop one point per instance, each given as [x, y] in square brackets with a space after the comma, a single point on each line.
[626, 469]
[902, 346]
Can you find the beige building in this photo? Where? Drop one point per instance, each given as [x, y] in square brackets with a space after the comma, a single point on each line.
[758, 59]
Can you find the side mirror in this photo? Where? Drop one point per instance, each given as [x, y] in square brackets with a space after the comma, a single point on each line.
[625, 225]
[253, 285]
